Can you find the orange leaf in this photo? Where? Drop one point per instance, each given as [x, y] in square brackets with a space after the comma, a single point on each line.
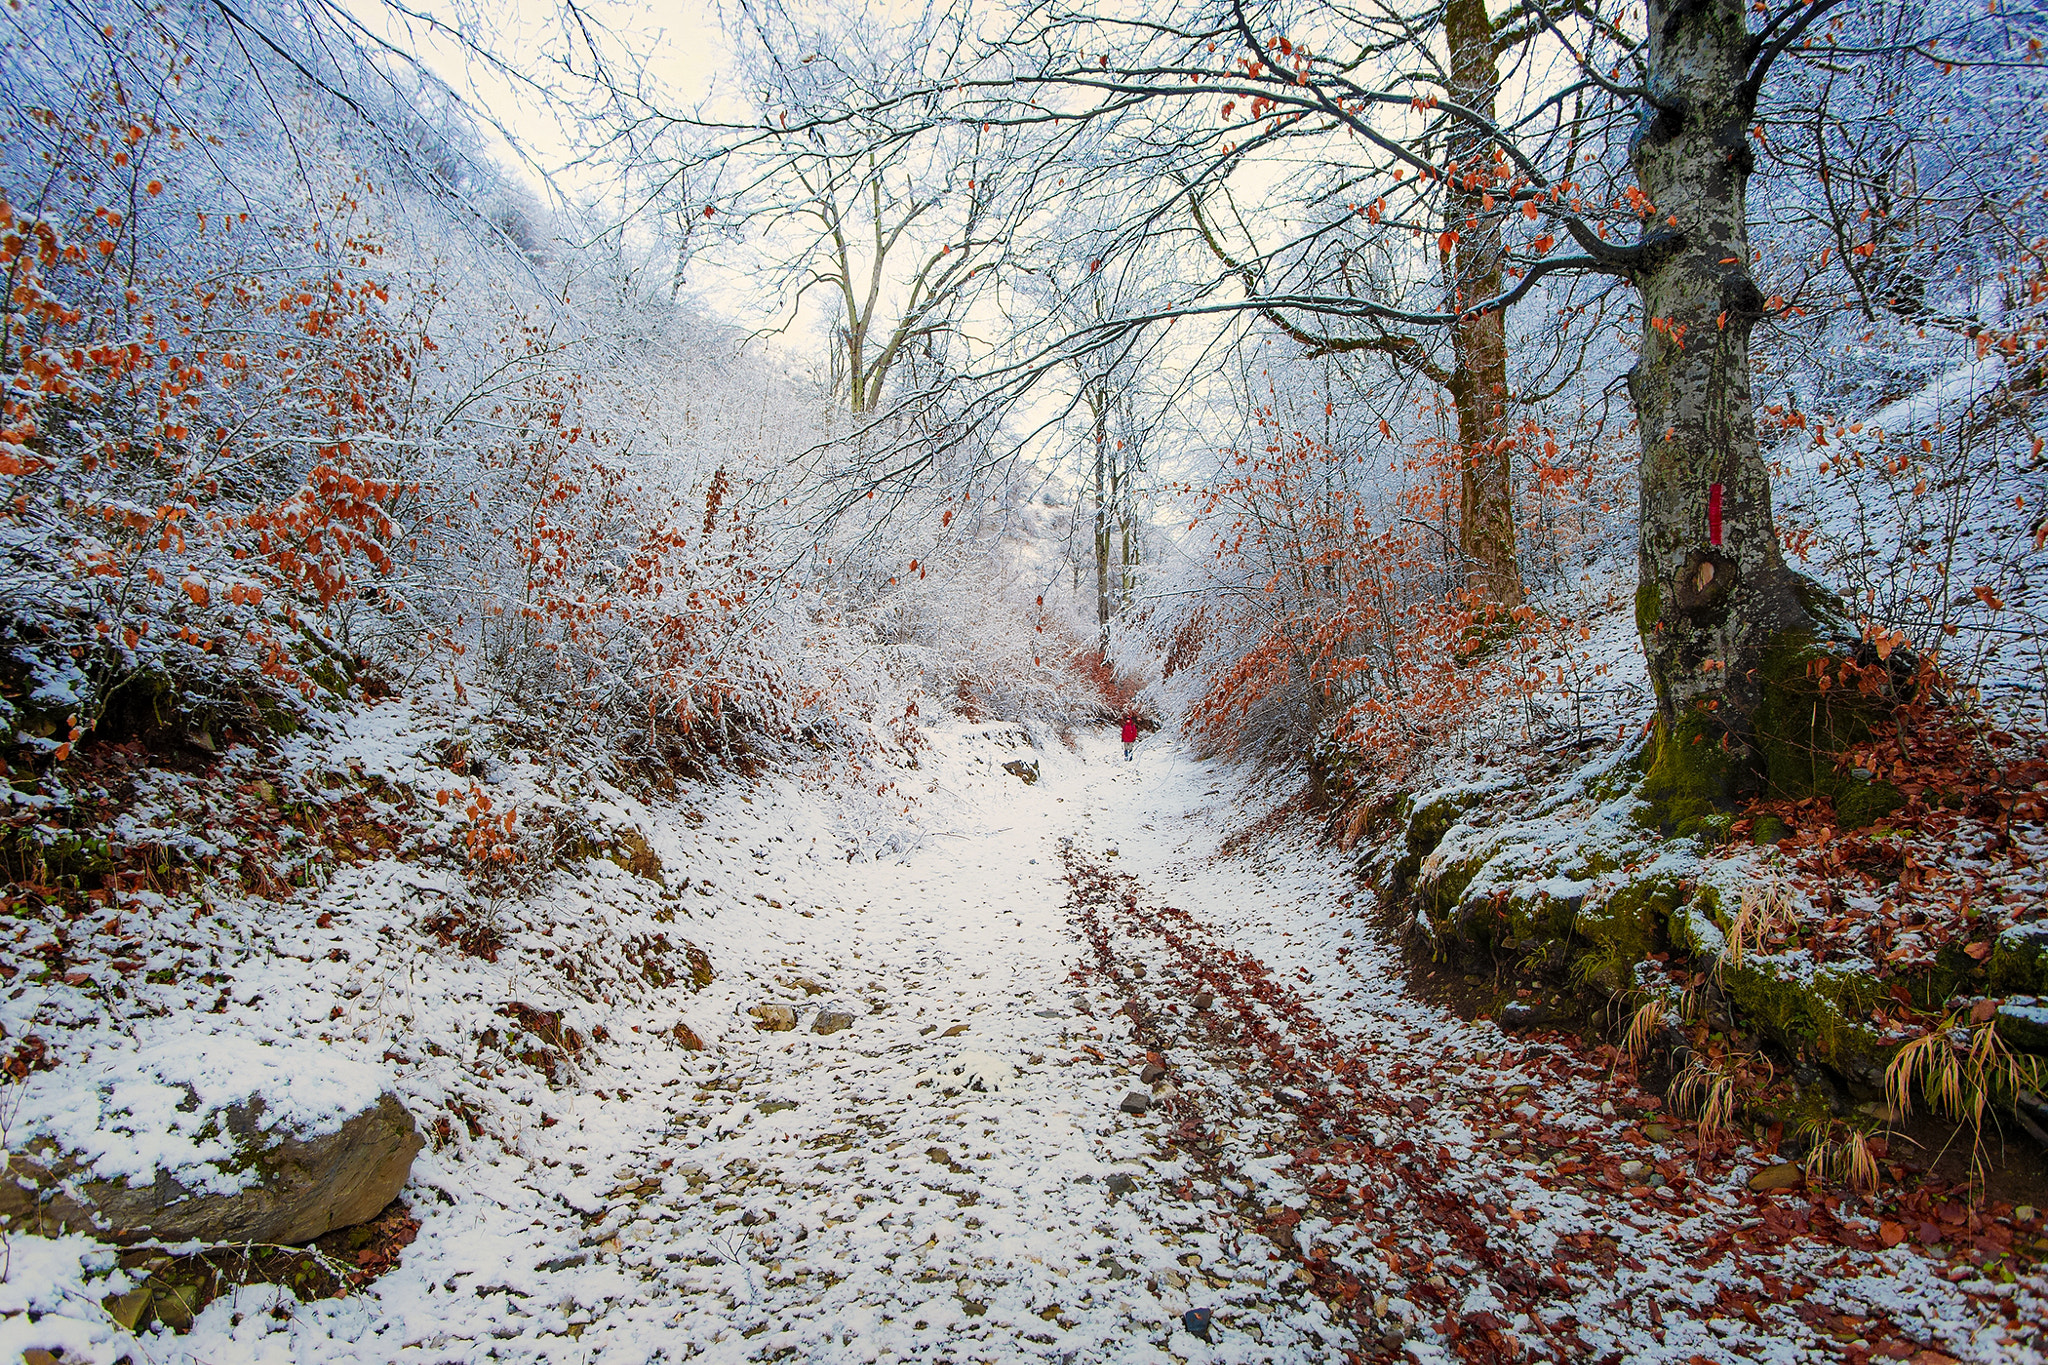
[1891, 1234]
[1447, 241]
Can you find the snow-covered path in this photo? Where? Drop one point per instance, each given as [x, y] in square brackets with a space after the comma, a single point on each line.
[845, 1197]
[1328, 1167]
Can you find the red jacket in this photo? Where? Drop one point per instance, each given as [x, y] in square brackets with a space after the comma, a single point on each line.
[1130, 732]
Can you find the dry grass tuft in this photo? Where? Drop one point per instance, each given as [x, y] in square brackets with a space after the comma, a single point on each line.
[1765, 914]
[1642, 1027]
[1964, 1072]
[1839, 1153]
[1707, 1091]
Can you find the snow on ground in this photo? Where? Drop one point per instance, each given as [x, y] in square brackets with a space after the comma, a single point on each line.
[951, 1176]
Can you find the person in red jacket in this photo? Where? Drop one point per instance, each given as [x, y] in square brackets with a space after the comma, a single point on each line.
[1130, 734]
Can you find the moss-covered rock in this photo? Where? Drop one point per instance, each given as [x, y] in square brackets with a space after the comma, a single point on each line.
[2019, 960]
[1623, 923]
[1812, 1010]
[1427, 820]
[1440, 887]
[2023, 1023]
[1691, 776]
[1805, 723]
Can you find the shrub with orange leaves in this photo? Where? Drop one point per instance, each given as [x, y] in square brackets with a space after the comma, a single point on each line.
[1345, 636]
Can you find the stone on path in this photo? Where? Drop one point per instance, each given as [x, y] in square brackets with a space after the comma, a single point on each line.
[773, 1018]
[1136, 1102]
[1783, 1176]
[1521, 1014]
[831, 1021]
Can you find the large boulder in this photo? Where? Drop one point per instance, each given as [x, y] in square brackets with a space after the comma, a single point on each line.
[206, 1137]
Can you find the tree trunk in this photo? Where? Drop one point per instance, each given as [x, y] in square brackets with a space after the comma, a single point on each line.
[1479, 385]
[1724, 622]
[1101, 413]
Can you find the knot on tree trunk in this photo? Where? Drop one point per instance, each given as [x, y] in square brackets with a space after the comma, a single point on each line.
[1739, 294]
[1707, 578]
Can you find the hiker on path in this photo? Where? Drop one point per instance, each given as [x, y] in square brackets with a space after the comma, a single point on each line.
[1130, 734]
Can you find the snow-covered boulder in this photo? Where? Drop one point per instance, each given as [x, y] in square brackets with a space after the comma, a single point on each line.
[2023, 1023]
[206, 1137]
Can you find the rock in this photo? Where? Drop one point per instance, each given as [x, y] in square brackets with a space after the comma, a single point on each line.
[1783, 1176]
[955, 1031]
[1198, 1321]
[1136, 1102]
[773, 1018]
[1121, 1183]
[1017, 767]
[1152, 1072]
[1635, 1170]
[1659, 1132]
[209, 1138]
[127, 1309]
[808, 986]
[2023, 1023]
[687, 1039]
[2019, 960]
[562, 1263]
[1203, 1000]
[1521, 1014]
[831, 1021]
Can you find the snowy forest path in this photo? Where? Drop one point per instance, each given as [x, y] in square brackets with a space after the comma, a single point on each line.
[1326, 1168]
[952, 1175]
